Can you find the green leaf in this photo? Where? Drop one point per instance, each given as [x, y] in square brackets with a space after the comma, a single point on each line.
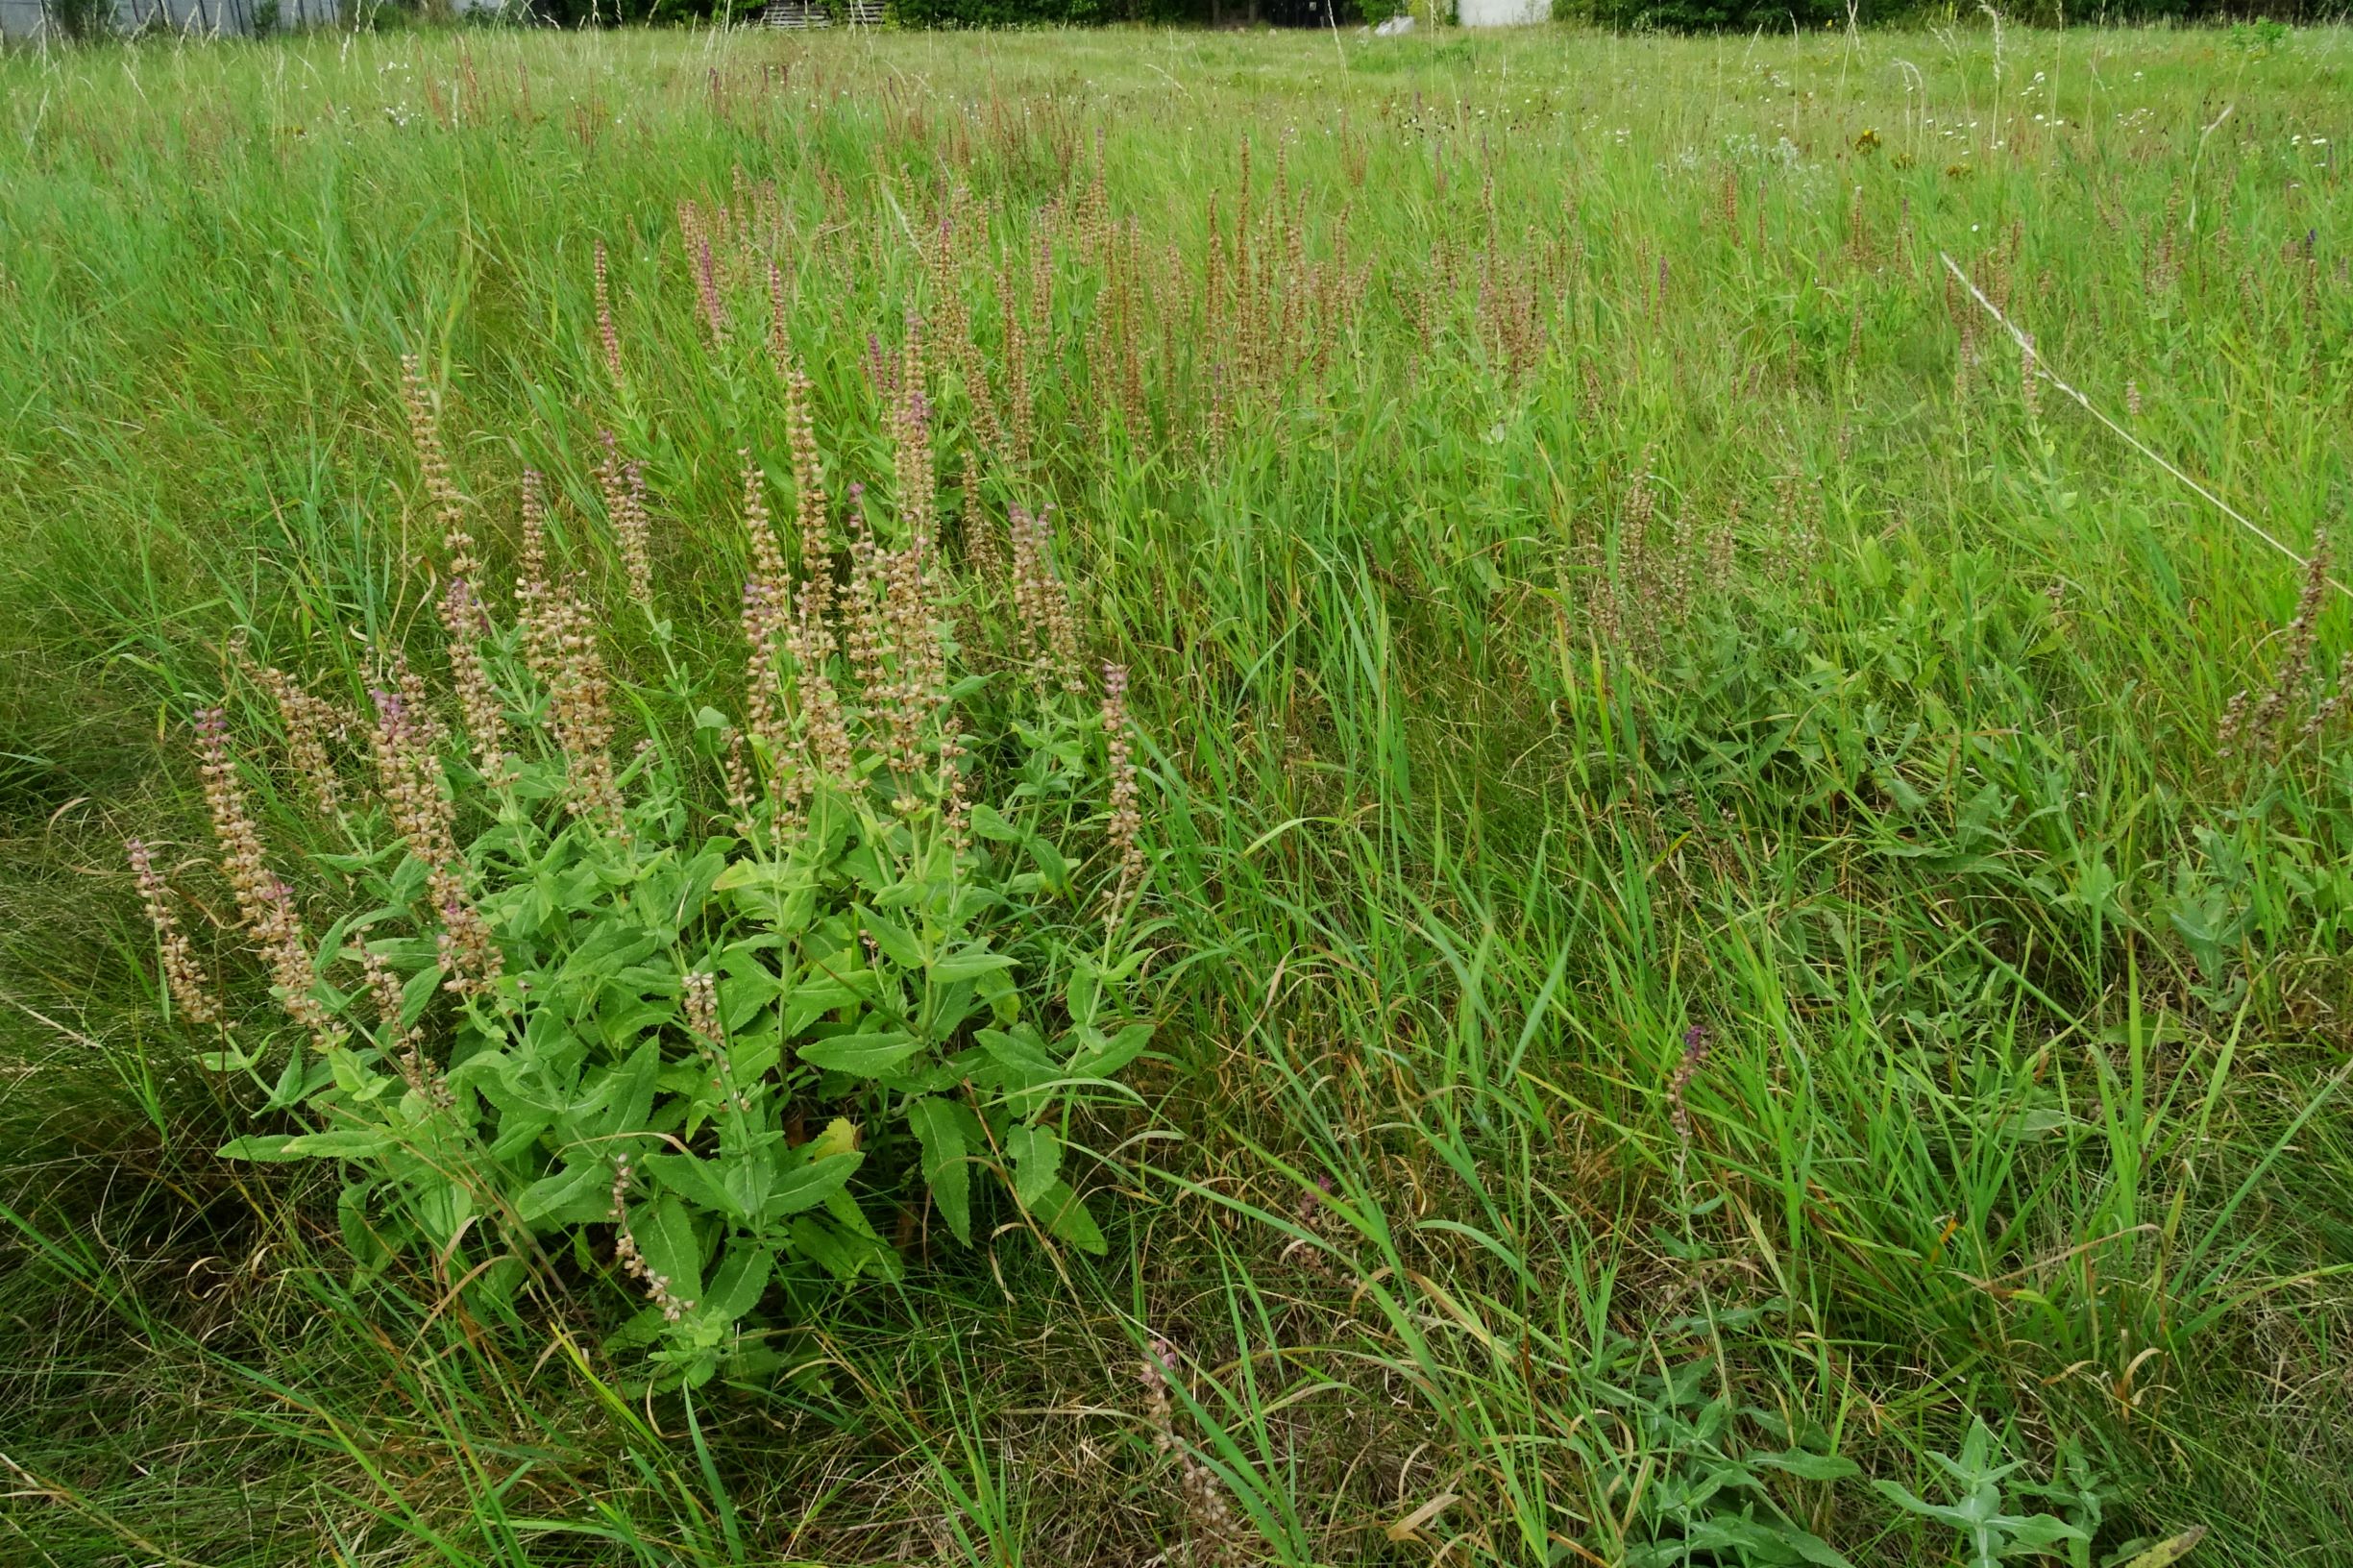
[843, 1252]
[1742, 1537]
[268, 1148]
[989, 823]
[1813, 1548]
[443, 1209]
[951, 1006]
[810, 1185]
[289, 1089]
[407, 884]
[359, 1236]
[518, 1130]
[696, 1181]
[493, 1289]
[354, 865]
[754, 874]
[947, 1156]
[840, 1137]
[897, 942]
[1037, 1157]
[736, 1285]
[862, 1056]
[1807, 1466]
[1021, 1049]
[1003, 996]
[353, 1143]
[664, 1234]
[970, 962]
[867, 869]
[639, 1332]
[343, 1066]
[2165, 1553]
[746, 1176]
[1912, 1503]
[1103, 1059]
[1083, 990]
[417, 993]
[2038, 1531]
[623, 1019]
[815, 995]
[631, 1101]
[1050, 864]
[751, 1055]
[1064, 1212]
[575, 1195]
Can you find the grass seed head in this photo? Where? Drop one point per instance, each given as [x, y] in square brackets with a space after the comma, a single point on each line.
[185, 978]
[607, 335]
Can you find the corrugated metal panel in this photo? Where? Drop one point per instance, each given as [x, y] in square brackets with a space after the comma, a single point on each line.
[30, 18]
[796, 14]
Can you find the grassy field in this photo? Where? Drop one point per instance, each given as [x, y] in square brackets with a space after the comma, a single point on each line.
[1744, 905]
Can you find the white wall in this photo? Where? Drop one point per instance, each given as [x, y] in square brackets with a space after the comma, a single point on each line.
[1501, 13]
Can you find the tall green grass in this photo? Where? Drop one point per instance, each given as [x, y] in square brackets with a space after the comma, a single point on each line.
[1885, 757]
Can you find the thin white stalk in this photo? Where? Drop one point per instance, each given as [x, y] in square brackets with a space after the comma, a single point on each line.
[2042, 368]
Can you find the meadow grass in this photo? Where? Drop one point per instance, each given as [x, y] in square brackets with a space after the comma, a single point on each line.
[1722, 917]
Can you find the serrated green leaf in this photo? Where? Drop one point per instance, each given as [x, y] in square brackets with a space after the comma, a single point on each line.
[1107, 1058]
[753, 873]
[896, 941]
[267, 1148]
[738, 1280]
[863, 1055]
[630, 1100]
[946, 1153]
[746, 1176]
[1037, 1158]
[807, 1185]
[2037, 1531]
[1003, 996]
[1064, 1214]
[289, 1089]
[968, 964]
[518, 1130]
[359, 1233]
[443, 1212]
[1052, 868]
[989, 823]
[1019, 1048]
[1081, 991]
[417, 993]
[695, 1180]
[1807, 1466]
[665, 1234]
[577, 1194]
[845, 1253]
[350, 1144]
[407, 884]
